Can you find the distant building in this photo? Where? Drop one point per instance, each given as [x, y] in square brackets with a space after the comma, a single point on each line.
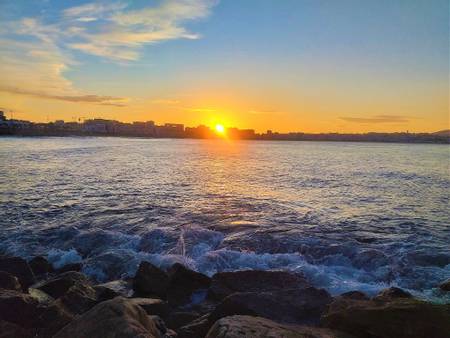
[2, 116]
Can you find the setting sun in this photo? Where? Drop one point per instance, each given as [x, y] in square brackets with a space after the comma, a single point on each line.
[220, 129]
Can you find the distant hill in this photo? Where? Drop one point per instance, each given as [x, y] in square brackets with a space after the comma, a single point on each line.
[445, 132]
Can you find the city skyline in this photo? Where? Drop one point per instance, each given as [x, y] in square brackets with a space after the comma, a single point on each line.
[315, 66]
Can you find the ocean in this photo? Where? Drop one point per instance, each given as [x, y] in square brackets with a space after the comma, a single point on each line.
[349, 216]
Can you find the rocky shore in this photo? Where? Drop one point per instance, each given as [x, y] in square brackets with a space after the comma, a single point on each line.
[37, 300]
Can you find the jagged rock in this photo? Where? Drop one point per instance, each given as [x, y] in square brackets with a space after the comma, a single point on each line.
[178, 319]
[123, 287]
[225, 283]
[355, 295]
[195, 329]
[184, 282]
[445, 286]
[9, 282]
[257, 327]
[40, 296]
[10, 330]
[58, 285]
[150, 280]
[152, 306]
[396, 318]
[18, 308]
[296, 306]
[18, 267]
[104, 293]
[117, 317]
[53, 318]
[79, 298]
[70, 267]
[39, 265]
[391, 294]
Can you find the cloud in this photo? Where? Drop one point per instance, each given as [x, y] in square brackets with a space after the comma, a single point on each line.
[168, 102]
[378, 119]
[202, 110]
[263, 112]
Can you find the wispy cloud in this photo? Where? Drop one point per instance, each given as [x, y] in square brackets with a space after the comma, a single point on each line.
[378, 119]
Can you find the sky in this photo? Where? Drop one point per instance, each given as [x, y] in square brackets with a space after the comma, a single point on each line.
[284, 65]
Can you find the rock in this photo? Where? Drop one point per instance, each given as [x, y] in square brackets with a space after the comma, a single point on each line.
[152, 306]
[53, 318]
[445, 286]
[391, 294]
[18, 308]
[58, 285]
[355, 295]
[79, 298]
[295, 306]
[117, 317]
[161, 326]
[10, 330]
[40, 296]
[184, 282]
[150, 280]
[39, 265]
[9, 282]
[70, 267]
[225, 283]
[18, 267]
[195, 329]
[370, 259]
[178, 319]
[120, 286]
[104, 293]
[397, 318]
[257, 327]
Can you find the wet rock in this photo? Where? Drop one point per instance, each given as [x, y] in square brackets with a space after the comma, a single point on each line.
[295, 306]
[178, 319]
[10, 330]
[117, 317]
[18, 308]
[225, 283]
[399, 318]
[70, 267]
[445, 286]
[152, 306]
[40, 266]
[18, 267]
[60, 284]
[9, 282]
[150, 280]
[257, 327]
[195, 329]
[391, 294]
[370, 259]
[79, 298]
[183, 283]
[358, 295]
[104, 293]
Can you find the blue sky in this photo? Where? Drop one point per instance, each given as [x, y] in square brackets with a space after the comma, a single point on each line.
[289, 65]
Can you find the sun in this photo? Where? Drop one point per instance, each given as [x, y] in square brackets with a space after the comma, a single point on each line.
[220, 129]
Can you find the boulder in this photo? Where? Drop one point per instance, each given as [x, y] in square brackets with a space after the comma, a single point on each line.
[184, 282]
[9, 282]
[445, 286]
[178, 319]
[355, 295]
[152, 306]
[195, 329]
[18, 308]
[70, 267]
[397, 318]
[10, 330]
[40, 266]
[391, 294]
[257, 327]
[295, 306]
[60, 284]
[225, 283]
[18, 267]
[53, 318]
[150, 280]
[79, 298]
[104, 293]
[117, 317]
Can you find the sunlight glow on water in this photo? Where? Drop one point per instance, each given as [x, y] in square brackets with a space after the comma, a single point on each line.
[348, 215]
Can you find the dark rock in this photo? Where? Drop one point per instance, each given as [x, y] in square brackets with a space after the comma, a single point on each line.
[152, 306]
[397, 318]
[150, 280]
[178, 319]
[79, 298]
[58, 285]
[195, 329]
[225, 283]
[9, 282]
[370, 259]
[70, 267]
[295, 306]
[183, 283]
[445, 286]
[104, 293]
[117, 317]
[53, 318]
[18, 308]
[391, 294]
[10, 330]
[161, 326]
[355, 295]
[39, 265]
[257, 327]
[18, 267]
[123, 287]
